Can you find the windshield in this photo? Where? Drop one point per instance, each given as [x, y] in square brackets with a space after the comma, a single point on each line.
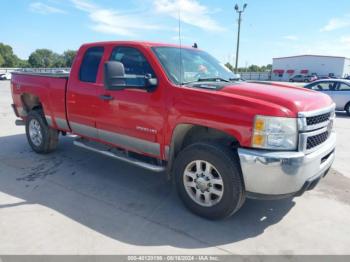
[195, 65]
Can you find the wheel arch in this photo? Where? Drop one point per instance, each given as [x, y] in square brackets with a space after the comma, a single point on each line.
[30, 102]
[346, 105]
[186, 134]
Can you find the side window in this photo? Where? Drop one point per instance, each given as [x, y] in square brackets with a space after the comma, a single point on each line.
[343, 87]
[324, 86]
[133, 60]
[90, 64]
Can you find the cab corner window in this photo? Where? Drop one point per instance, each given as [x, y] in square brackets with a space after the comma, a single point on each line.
[90, 64]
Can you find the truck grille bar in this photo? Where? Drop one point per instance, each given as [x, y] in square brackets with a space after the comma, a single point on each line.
[314, 120]
[315, 128]
[316, 140]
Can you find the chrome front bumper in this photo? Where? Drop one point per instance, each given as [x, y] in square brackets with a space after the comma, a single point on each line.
[275, 174]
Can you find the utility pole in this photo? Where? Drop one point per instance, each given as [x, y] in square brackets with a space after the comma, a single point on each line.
[239, 11]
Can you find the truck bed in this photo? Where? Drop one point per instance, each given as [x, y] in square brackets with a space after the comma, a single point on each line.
[44, 74]
[47, 87]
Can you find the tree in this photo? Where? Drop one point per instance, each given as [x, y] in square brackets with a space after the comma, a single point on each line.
[46, 58]
[42, 58]
[22, 63]
[251, 68]
[229, 66]
[58, 61]
[9, 59]
[68, 57]
[254, 68]
[2, 60]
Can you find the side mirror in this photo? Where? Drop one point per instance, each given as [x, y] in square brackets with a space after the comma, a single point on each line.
[150, 83]
[116, 79]
[114, 75]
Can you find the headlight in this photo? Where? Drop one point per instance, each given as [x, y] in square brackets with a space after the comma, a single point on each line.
[275, 133]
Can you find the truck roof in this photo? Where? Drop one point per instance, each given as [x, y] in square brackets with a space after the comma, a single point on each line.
[103, 43]
[139, 43]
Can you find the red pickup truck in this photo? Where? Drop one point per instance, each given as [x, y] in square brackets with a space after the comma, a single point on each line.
[178, 110]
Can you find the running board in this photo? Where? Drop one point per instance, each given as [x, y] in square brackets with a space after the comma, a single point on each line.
[20, 122]
[119, 156]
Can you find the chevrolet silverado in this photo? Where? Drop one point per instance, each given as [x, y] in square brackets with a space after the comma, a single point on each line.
[179, 111]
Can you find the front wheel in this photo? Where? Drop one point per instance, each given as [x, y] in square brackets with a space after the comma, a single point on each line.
[209, 181]
[42, 138]
[347, 109]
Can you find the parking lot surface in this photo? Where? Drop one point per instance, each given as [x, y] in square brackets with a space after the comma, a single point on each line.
[77, 202]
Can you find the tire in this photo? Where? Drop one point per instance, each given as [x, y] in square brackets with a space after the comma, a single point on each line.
[225, 165]
[291, 80]
[347, 108]
[41, 138]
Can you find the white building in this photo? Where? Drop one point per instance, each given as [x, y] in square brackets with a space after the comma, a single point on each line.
[283, 68]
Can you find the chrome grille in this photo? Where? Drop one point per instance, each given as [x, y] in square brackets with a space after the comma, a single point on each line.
[316, 140]
[314, 120]
[315, 128]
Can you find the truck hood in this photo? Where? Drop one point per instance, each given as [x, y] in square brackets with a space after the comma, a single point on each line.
[293, 99]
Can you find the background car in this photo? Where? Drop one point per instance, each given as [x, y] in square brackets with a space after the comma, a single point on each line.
[326, 77]
[337, 89]
[61, 71]
[303, 78]
[6, 76]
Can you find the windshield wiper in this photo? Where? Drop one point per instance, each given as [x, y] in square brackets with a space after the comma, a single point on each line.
[213, 79]
[208, 79]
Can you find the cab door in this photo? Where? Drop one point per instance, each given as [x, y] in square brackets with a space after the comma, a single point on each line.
[132, 118]
[82, 100]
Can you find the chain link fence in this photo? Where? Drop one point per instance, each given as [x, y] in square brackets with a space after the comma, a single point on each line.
[263, 76]
[35, 70]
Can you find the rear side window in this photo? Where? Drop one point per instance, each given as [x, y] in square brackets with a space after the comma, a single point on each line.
[343, 87]
[90, 64]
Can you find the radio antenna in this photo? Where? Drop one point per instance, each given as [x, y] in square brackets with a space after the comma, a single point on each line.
[180, 42]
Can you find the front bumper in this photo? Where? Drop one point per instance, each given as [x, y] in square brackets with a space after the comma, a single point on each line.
[273, 175]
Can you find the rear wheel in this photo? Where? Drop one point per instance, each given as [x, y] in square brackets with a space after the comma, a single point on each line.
[209, 181]
[42, 138]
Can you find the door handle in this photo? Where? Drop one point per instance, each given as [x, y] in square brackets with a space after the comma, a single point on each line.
[106, 97]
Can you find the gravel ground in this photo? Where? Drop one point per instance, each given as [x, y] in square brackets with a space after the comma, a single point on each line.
[77, 202]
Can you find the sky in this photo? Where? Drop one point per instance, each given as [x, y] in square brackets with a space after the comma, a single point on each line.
[270, 28]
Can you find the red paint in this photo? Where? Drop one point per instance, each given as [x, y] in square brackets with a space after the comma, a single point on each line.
[231, 109]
